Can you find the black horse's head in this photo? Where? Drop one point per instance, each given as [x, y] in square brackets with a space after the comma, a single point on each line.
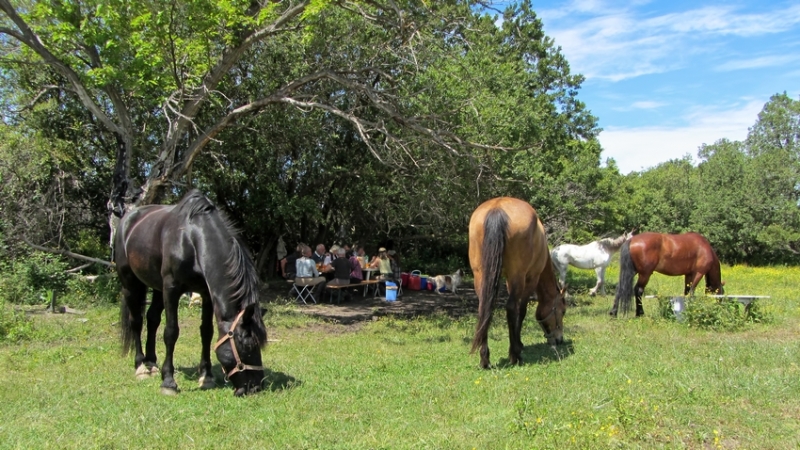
[239, 350]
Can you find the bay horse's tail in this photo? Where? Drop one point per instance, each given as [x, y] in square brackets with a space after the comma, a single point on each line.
[626, 273]
[126, 327]
[495, 227]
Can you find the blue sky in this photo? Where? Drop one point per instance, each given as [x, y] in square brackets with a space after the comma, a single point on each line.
[665, 77]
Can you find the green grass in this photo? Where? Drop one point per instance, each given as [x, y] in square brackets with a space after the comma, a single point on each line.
[628, 383]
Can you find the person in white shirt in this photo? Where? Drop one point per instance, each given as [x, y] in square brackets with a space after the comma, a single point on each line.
[307, 273]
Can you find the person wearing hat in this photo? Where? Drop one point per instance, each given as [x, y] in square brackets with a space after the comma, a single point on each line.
[384, 264]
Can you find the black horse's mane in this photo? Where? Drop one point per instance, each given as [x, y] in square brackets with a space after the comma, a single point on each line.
[239, 267]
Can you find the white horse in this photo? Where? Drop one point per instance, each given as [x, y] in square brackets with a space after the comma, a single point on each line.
[595, 255]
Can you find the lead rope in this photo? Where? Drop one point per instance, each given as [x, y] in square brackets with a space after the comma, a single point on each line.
[229, 336]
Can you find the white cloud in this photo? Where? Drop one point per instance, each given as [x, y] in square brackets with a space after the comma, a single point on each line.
[646, 105]
[641, 148]
[616, 44]
[762, 61]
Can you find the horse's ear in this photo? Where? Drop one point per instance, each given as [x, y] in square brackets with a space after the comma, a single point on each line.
[250, 311]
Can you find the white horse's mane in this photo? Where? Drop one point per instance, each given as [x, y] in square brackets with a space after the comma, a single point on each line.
[613, 243]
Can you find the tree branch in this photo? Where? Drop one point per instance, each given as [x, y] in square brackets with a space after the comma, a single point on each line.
[26, 36]
[69, 254]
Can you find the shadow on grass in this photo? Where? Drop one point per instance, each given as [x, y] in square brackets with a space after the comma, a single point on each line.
[273, 381]
[542, 353]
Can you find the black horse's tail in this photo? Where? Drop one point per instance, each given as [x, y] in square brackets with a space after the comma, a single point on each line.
[495, 227]
[125, 326]
[626, 273]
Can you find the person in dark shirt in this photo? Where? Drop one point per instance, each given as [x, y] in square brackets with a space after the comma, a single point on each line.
[341, 268]
[288, 264]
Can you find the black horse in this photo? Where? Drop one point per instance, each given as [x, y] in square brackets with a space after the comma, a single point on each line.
[189, 247]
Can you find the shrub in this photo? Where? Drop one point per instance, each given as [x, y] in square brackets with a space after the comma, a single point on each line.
[721, 314]
[105, 289]
[14, 326]
[27, 280]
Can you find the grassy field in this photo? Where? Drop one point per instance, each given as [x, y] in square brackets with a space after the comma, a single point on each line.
[627, 383]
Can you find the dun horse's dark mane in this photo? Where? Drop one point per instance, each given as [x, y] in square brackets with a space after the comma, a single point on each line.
[239, 267]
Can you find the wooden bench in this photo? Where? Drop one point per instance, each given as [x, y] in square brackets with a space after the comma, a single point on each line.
[338, 288]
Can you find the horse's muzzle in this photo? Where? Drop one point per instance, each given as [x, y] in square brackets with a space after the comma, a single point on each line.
[247, 390]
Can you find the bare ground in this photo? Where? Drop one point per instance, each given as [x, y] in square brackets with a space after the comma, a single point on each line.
[410, 304]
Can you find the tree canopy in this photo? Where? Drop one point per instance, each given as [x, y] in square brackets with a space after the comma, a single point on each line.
[343, 121]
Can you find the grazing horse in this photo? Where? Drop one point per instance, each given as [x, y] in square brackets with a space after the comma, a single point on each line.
[596, 255]
[507, 238]
[687, 254]
[189, 247]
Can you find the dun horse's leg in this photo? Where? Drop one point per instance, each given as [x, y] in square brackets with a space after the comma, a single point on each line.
[206, 334]
[153, 322]
[482, 338]
[514, 329]
[171, 333]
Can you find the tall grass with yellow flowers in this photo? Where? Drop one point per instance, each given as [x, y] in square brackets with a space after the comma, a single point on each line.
[397, 383]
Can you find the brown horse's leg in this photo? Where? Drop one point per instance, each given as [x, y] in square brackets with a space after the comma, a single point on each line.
[641, 282]
[695, 281]
[153, 321]
[206, 334]
[171, 333]
[687, 284]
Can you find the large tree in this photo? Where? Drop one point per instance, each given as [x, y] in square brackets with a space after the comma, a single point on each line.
[310, 119]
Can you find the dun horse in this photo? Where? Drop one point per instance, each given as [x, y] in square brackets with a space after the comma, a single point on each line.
[507, 238]
[687, 254]
[189, 247]
[595, 255]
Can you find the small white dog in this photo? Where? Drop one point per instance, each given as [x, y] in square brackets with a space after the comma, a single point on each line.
[449, 282]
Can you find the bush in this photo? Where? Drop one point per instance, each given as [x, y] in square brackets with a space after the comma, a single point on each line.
[32, 280]
[26, 281]
[721, 314]
[105, 289]
[14, 326]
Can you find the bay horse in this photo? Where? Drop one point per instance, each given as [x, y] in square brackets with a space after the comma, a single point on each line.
[189, 247]
[507, 238]
[687, 254]
[595, 255]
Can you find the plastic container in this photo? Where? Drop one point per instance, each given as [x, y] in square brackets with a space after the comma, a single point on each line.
[391, 291]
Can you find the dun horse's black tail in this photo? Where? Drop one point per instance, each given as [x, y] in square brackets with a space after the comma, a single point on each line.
[626, 273]
[126, 327]
[495, 227]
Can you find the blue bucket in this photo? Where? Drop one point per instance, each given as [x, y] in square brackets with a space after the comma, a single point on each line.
[391, 291]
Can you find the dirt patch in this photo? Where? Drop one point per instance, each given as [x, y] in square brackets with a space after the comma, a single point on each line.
[410, 304]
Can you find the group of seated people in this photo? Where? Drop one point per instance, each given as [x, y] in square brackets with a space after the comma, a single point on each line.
[340, 266]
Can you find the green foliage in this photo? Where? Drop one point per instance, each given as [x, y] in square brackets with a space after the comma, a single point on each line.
[103, 290]
[14, 326]
[725, 314]
[29, 280]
